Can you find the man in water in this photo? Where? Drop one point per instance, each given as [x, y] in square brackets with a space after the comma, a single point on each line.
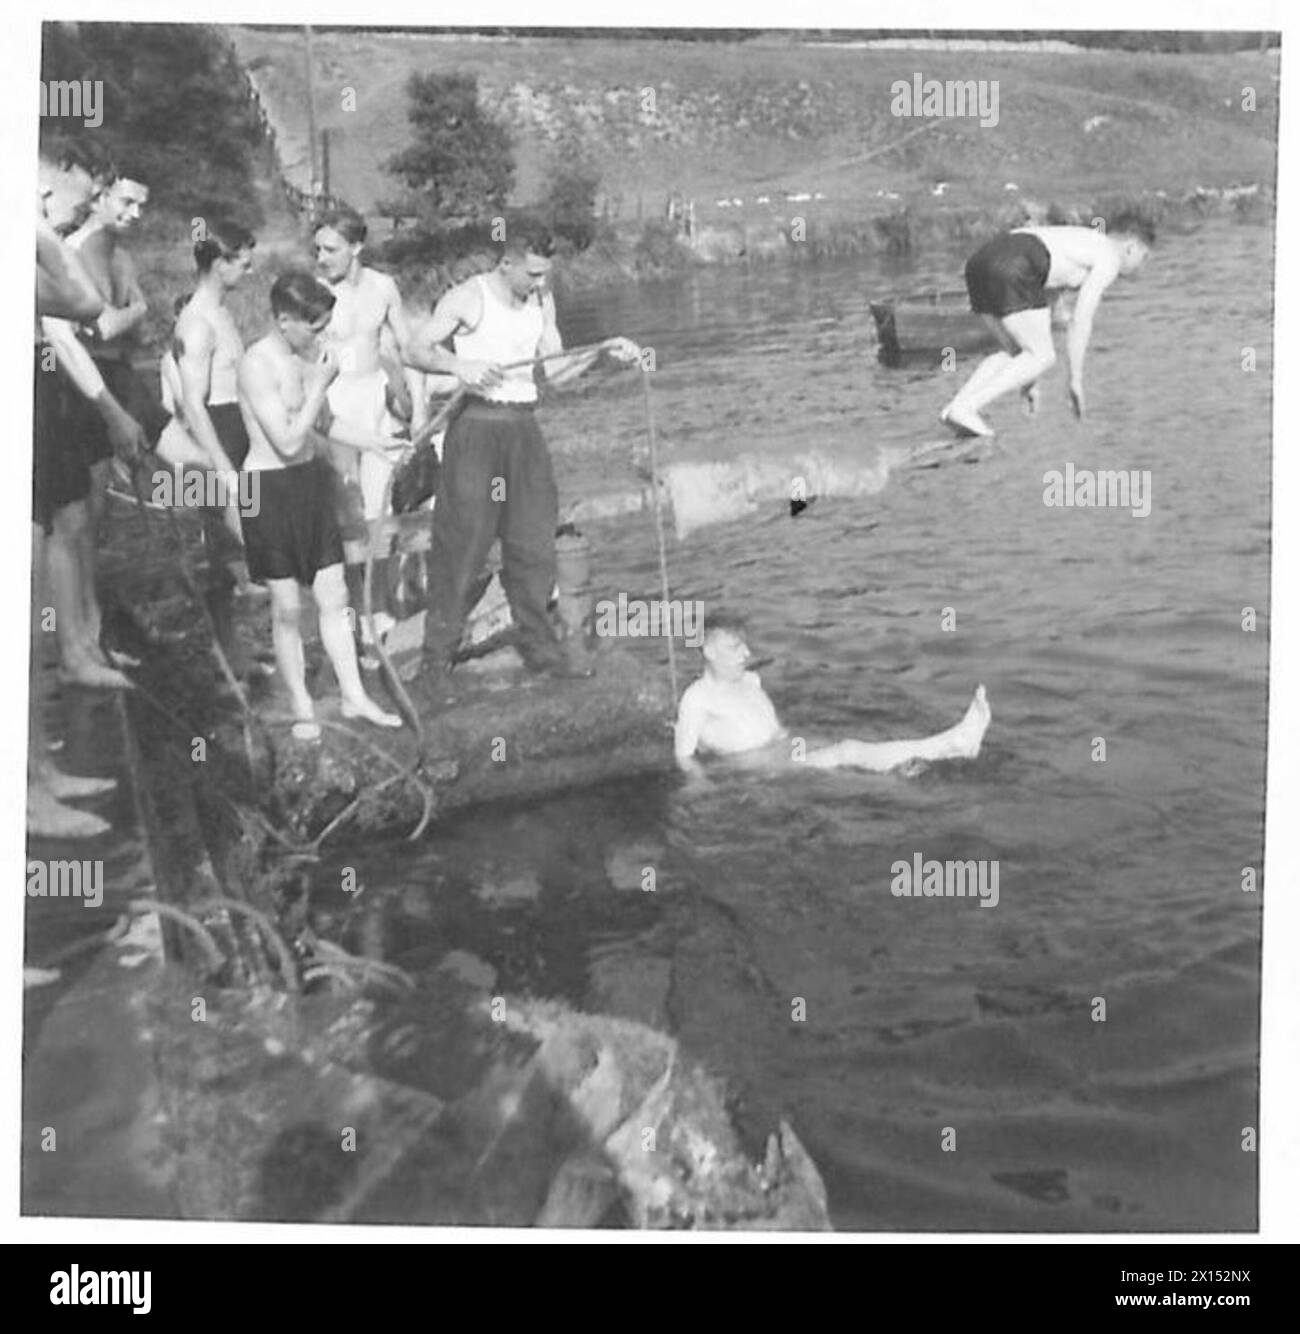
[1014, 280]
[294, 537]
[727, 712]
[373, 395]
[59, 474]
[112, 340]
[496, 477]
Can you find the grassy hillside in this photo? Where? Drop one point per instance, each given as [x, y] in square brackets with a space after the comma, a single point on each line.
[774, 116]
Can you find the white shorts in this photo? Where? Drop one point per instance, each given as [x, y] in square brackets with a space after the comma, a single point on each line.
[361, 401]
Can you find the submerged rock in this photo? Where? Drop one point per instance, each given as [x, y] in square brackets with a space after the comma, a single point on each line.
[658, 1133]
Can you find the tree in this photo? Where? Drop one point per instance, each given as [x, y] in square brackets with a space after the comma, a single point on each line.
[176, 109]
[568, 207]
[460, 168]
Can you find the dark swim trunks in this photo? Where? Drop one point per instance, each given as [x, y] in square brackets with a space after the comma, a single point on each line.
[1009, 274]
[59, 472]
[231, 431]
[294, 534]
[223, 547]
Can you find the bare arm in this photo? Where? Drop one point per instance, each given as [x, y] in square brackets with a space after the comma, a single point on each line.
[193, 351]
[1100, 277]
[117, 320]
[421, 384]
[459, 309]
[290, 433]
[124, 432]
[568, 368]
[63, 287]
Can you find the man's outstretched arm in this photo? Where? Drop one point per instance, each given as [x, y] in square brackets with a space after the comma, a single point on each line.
[1099, 278]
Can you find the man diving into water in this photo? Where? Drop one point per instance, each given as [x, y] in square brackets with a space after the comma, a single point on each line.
[1014, 281]
[727, 712]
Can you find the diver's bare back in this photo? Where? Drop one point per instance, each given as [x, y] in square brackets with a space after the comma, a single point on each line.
[1075, 252]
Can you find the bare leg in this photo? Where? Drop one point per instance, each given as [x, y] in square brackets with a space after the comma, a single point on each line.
[47, 816]
[66, 565]
[961, 742]
[331, 594]
[991, 366]
[286, 639]
[1032, 332]
[92, 616]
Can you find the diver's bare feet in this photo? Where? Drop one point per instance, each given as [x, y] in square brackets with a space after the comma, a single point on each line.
[968, 735]
[50, 818]
[964, 422]
[38, 977]
[366, 708]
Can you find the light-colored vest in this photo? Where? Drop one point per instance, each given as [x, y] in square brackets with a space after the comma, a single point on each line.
[505, 334]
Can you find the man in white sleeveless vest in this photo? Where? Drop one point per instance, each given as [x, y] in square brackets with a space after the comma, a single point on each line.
[496, 477]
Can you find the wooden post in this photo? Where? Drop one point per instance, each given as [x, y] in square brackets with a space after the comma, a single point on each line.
[313, 180]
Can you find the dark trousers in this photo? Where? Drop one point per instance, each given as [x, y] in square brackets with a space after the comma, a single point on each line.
[496, 481]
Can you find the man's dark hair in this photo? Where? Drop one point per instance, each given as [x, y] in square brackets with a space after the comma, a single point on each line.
[222, 240]
[298, 295]
[1129, 222]
[117, 168]
[66, 151]
[528, 238]
[349, 224]
[724, 623]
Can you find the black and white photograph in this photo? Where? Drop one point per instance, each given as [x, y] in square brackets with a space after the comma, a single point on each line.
[653, 628]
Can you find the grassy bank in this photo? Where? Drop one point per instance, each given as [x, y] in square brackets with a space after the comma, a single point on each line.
[765, 133]
[789, 151]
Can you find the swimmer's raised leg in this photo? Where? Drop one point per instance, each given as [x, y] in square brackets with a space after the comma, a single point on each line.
[961, 742]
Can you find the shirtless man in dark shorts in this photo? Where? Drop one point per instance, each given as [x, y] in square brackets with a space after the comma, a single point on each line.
[59, 473]
[206, 433]
[1014, 281]
[112, 341]
[293, 540]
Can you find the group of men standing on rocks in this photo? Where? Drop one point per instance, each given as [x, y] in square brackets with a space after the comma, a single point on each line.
[315, 415]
